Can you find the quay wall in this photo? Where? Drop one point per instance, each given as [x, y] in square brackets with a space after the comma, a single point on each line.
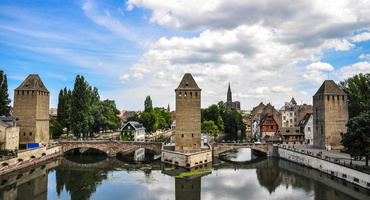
[307, 159]
[29, 157]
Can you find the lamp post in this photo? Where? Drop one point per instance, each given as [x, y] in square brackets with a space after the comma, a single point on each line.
[327, 141]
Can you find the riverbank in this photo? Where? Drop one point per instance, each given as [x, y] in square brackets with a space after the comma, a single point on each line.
[333, 163]
[28, 157]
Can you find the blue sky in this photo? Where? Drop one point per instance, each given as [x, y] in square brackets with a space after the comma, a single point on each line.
[269, 51]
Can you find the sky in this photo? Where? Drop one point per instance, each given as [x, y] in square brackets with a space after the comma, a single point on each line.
[268, 50]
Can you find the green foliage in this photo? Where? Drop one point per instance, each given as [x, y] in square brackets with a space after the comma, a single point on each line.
[213, 113]
[80, 107]
[164, 118]
[4, 96]
[209, 127]
[64, 107]
[357, 139]
[233, 121]
[56, 129]
[148, 104]
[149, 121]
[358, 90]
[82, 111]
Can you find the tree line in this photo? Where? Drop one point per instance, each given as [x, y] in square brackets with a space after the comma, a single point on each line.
[221, 118]
[82, 113]
[153, 118]
[357, 139]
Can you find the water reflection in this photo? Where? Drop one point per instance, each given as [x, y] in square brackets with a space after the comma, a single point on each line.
[110, 178]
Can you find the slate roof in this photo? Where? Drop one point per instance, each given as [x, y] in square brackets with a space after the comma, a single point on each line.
[305, 119]
[188, 83]
[329, 87]
[135, 125]
[32, 82]
[291, 131]
[4, 121]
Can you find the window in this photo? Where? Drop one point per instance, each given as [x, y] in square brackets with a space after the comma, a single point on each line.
[284, 118]
[30, 133]
[182, 135]
[308, 128]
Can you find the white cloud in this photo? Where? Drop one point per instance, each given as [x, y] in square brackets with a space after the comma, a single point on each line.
[338, 44]
[365, 56]
[317, 72]
[124, 78]
[351, 70]
[138, 76]
[361, 37]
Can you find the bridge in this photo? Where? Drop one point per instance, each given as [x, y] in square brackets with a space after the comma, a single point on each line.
[222, 147]
[110, 147]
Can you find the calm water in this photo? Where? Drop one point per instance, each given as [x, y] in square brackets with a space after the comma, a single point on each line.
[245, 177]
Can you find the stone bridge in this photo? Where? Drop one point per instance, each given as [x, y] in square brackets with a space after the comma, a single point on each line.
[222, 147]
[110, 147]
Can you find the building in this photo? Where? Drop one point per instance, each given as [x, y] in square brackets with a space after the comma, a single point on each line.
[31, 107]
[230, 102]
[136, 129]
[259, 113]
[330, 115]
[188, 115]
[268, 126]
[292, 135]
[306, 125]
[9, 133]
[292, 113]
[188, 150]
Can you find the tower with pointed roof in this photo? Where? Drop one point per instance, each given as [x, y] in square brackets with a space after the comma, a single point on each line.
[188, 115]
[229, 99]
[330, 115]
[31, 106]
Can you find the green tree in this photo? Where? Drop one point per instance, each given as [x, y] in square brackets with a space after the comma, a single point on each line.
[164, 118]
[209, 127]
[56, 129]
[80, 105]
[4, 96]
[357, 139]
[213, 113]
[64, 108]
[357, 89]
[148, 104]
[233, 121]
[149, 121]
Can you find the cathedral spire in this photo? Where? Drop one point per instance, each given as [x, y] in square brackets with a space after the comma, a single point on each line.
[229, 95]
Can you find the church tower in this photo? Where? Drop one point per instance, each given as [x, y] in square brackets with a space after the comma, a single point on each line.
[188, 115]
[229, 99]
[31, 106]
[330, 115]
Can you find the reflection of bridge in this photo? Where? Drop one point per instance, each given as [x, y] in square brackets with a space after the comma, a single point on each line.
[222, 147]
[110, 147]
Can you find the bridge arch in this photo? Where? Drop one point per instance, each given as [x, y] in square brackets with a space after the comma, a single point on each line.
[219, 148]
[110, 147]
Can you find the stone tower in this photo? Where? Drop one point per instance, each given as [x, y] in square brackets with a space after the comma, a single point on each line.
[188, 115]
[330, 115]
[31, 106]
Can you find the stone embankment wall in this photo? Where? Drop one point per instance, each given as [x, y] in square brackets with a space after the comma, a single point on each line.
[307, 159]
[29, 157]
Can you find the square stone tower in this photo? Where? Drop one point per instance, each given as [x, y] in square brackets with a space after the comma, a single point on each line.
[330, 115]
[31, 106]
[188, 115]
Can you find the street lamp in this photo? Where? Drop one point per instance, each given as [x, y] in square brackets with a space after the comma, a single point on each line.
[327, 141]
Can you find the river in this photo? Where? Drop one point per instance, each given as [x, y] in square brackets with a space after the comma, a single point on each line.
[236, 175]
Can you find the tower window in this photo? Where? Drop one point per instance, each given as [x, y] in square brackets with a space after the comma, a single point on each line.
[191, 94]
[185, 94]
[179, 94]
[196, 94]
[182, 135]
[192, 135]
[30, 133]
